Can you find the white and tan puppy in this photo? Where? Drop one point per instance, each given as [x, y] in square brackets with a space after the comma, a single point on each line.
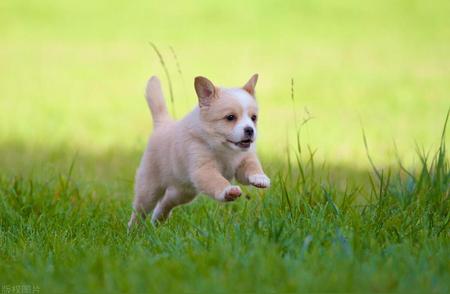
[200, 153]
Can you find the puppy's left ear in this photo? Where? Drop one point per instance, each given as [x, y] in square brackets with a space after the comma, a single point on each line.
[251, 84]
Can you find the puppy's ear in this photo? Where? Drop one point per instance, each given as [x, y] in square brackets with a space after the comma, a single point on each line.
[205, 91]
[250, 86]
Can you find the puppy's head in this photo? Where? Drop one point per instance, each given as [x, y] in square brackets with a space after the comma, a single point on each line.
[228, 115]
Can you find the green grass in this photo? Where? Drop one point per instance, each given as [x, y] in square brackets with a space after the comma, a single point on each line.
[302, 235]
[73, 125]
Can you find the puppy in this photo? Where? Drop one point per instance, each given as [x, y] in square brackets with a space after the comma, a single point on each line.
[200, 153]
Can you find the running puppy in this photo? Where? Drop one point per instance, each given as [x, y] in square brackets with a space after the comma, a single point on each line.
[200, 153]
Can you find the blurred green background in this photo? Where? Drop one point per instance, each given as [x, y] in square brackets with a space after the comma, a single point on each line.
[72, 75]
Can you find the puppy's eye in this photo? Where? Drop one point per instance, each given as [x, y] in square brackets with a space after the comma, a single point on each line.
[254, 118]
[230, 117]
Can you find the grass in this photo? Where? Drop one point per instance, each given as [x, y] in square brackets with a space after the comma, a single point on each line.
[348, 211]
[302, 235]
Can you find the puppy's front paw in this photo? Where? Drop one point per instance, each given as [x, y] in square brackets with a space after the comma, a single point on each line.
[260, 181]
[230, 193]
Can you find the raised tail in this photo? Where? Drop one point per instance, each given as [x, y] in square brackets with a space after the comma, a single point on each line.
[156, 102]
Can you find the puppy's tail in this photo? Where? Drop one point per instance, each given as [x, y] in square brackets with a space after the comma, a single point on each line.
[156, 102]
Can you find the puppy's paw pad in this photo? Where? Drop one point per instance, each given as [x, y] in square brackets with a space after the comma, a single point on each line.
[260, 181]
[231, 193]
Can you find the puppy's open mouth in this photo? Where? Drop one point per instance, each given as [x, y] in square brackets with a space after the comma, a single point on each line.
[242, 144]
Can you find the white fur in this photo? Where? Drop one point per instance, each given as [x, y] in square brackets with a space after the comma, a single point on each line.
[245, 100]
[260, 181]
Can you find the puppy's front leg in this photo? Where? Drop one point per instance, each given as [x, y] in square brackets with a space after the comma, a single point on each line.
[207, 179]
[250, 172]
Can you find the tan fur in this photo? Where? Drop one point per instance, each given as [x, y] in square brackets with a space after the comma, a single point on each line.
[156, 103]
[200, 153]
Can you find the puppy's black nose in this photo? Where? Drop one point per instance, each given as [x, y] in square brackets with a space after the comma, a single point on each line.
[248, 131]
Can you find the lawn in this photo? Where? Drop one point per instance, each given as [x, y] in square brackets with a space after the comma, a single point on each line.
[74, 123]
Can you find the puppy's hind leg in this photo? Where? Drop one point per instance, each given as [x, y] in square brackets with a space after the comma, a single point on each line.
[147, 196]
[171, 199]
